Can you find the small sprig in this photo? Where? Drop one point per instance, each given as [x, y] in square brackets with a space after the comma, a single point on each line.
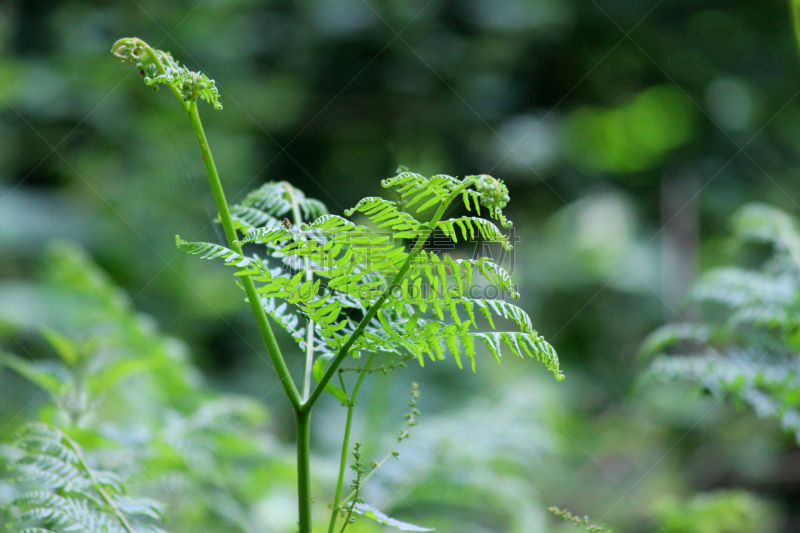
[401, 436]
[411, 415]
[358, 467]
[578, 521]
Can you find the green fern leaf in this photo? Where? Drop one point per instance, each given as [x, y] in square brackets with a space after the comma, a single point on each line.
[485, 229]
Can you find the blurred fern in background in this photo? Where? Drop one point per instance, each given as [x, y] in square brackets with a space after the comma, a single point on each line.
[746, 346]
[126, 397]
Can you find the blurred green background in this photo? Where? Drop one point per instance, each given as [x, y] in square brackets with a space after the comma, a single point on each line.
[627, 132]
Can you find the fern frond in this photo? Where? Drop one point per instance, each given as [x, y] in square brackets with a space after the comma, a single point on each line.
[384, 214]
[415, 188]
[737, 288]
[487, 191]
[140, 506]
[432, 339]
[79, 498]
[767, 386]
[348, 253]
[246, 219]
[764, 223]
[430, 312]
[275, 198]
[440, 271]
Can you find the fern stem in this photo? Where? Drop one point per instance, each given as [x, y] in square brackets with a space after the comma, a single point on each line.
[303, 421]
[162, 70]
[343, 462]
[98, 487]
[373, 310]
[230, 234]
[298, 220]
[247, 282]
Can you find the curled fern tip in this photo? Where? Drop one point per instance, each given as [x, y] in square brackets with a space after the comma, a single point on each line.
[157, 66]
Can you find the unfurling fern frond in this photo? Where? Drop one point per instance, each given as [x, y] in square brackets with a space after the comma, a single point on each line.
[488, 192]
[73, 496]
[421, 304]
[750, 348]
[157, 66]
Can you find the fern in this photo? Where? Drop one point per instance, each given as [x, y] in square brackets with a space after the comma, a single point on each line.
[748, 348]
[177, 441]
[358, 265]
[416, 189]
[357, 290]
[73, 496]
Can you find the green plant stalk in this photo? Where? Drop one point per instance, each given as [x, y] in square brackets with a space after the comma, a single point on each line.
[345, 445]
[247, 282]
[230, 234]
[303, 423]
[373, 310]
[162, 70]
[301, 405]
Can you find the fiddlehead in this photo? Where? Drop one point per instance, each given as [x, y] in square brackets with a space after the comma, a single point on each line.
[157, 66]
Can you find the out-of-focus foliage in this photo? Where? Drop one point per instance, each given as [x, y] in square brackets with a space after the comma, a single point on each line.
[732, 511]
[747, 347]
[76, 497]
[634, 137]
[129, 397]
